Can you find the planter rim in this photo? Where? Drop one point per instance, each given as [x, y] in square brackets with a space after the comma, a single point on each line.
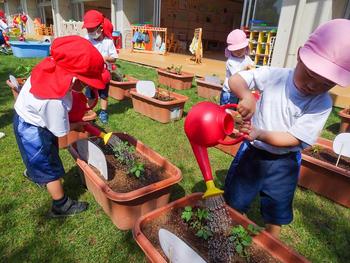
[131, 80]
[202, 81]
[184, 74]
[132, 195]
[325, 144]
[275, 244]
[343, 114]
[179, 98]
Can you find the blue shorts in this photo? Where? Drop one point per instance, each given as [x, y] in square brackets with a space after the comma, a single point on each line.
[2, 39]
[102, 93]
[39, 151]
[274, 177]
[227, 98]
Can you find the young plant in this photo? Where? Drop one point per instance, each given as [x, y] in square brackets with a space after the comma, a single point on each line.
[241, 238]
[117, 75]
[316, 149]
[137, 169]
[197, 221]
[178, 70]
[23, 71]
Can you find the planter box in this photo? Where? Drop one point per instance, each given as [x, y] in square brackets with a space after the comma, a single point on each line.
[162, 111]
[345, 121]
[125, 208]
[208, 90]
[175, 81]
[263, 240]
[121, 90]
[324, 178]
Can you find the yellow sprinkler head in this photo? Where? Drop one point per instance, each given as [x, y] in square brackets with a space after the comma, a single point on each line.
[212, 190]
[106, 137]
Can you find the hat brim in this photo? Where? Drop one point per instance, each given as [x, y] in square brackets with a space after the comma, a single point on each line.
[239, 46]
[324, 67]
[96, 82]
[90, 25]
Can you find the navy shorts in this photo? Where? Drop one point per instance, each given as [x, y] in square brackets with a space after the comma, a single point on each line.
[39, 151]
[102, 93]
[274, 177]
[227, 98]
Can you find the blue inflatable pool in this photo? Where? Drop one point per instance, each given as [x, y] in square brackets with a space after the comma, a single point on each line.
[30, 49]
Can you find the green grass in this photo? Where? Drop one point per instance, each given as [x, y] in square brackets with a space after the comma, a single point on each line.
[320, 230]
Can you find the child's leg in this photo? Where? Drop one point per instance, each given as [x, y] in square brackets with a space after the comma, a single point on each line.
[55, 189]
[278, 190]
[104, 104]
[242, 182]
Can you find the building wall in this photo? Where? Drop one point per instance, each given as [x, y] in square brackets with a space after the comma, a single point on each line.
[299, 18]
[32, 13]
[131, 13]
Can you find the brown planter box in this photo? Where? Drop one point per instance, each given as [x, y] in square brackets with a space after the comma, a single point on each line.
[264, 240]
[121, 90]
[229, 149]
[125, 208]
[325, 179]
[175, 81]
[345, 121]
[162, 111]
[207, 90]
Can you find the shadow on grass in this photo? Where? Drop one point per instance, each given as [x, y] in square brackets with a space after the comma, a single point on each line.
[177, 192]
[119, 107]
[333, 128]
[6, 117]
[72, 184]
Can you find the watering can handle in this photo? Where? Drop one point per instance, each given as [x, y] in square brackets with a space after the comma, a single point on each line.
[234, 141]
[92, 130]
[95, 101]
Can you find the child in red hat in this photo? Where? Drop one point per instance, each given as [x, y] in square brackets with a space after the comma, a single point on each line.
[99, 35]
[41, 113]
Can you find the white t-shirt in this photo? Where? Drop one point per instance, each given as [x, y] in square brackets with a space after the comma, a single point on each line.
[282, 107]
[51, 114]
[234, 65]
[105, 47]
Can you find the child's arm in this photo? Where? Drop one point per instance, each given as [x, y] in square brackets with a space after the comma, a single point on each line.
[247, 104]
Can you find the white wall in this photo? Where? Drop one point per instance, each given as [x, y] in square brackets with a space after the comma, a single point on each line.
[299, 18]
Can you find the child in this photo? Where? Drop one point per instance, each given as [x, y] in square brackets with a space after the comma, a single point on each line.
[41, 114]
[289, 116]
[238, 59]
[94, 24]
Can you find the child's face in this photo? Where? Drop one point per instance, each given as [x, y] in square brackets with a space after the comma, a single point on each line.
[240, 53]
[310, 83]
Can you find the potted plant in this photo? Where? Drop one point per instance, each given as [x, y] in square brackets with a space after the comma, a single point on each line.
[175, 78]
[120, 85]
[320, 174]
[209, 86]
[188, 218]
[164, 107]
[131, 189]
[344, 114]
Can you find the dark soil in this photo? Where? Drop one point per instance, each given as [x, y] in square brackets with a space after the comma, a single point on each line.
[327, 155]
[121, 181]
[172, 222]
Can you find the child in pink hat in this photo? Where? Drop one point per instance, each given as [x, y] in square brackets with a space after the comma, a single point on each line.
[237, 60]
[293, 108]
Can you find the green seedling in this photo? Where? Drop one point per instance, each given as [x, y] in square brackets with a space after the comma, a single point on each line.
[197, 220]
[178, 70]
[137, 169]
[23, 71]
[315, 149]
[117, 75]
[241, 238]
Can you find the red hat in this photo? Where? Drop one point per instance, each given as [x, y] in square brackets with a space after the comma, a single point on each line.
[2, 13]
[107, 28]
[92, 19]
[71, 56]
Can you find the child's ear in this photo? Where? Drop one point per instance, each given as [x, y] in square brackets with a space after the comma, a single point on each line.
[298, 57]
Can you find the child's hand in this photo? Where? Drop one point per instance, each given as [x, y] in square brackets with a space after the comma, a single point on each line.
[251, 132]
[246, 107]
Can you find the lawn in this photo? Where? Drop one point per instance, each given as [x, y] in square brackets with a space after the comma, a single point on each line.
[320, 230]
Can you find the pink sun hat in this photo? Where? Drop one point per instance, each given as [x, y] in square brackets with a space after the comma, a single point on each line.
[327, 51]
[236, 40]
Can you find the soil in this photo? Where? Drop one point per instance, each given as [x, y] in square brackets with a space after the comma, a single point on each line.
[327, 155]
[163, 96]
[121, 181]
[172, 222]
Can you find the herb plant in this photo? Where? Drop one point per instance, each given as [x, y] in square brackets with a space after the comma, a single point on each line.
[197, 220]
[316, 149]
[23, 71]
[137, 169]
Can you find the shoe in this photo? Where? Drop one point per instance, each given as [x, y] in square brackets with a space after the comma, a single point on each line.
[70, 208]
[25, 174]
[103, 116]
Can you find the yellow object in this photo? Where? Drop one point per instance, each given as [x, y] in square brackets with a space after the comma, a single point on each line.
[212, 190]
[196, 46]
[105, 136]
[261, 45]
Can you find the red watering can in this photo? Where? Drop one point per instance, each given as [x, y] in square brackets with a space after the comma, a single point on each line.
[206, 125]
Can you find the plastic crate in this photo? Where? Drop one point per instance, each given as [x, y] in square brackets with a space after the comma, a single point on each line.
[30, 49]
